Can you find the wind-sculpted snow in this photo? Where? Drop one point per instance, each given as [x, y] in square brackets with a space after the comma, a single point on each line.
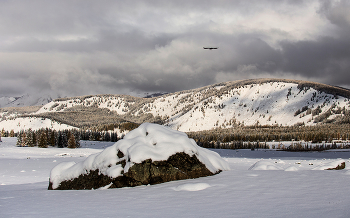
[280, 165]
[265, 165]
[192, 187]
[149, 141]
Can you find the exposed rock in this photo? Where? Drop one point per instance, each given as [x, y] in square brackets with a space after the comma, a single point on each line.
[178, 166]
[339, 167]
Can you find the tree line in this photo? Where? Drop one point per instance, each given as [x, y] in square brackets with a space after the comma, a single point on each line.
[46, 137]
[248, 136]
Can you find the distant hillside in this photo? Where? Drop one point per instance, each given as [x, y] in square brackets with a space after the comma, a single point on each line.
[224, 105]
[23, 101]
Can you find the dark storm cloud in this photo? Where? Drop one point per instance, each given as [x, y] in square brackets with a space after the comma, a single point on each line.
[325, 57]
[337, 12]
[94, 47]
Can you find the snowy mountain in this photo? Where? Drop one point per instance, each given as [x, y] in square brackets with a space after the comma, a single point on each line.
[25, 100]
[248, 102]
[7, 100]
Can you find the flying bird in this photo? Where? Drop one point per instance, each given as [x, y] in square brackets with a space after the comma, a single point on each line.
[210, 48]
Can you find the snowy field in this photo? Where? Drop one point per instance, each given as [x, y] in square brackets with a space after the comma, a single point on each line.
[261, 183]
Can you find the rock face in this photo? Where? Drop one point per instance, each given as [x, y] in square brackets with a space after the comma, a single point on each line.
[150, 154]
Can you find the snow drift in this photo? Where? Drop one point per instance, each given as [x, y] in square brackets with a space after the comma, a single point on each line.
[151, 145]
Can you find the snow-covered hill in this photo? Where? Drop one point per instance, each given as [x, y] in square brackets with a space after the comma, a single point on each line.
[248, 102]
[34, 123]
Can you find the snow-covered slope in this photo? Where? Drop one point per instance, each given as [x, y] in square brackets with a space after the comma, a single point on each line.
[248, 102]
[271, 102]
[33, 123]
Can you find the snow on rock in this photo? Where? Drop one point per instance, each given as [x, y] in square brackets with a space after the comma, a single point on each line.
[265, 165]
[331, 165]
[147, 142]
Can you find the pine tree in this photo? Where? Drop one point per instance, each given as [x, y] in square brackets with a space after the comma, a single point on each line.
[114, 138]
[92, 136]
[19, 138]
[71, 141]
[77, 138]
[12, 133]
[29, 138]
[24, 139]
[42, 143]
[52, 138]
[64, 139]
[59, 140]
[107, 136]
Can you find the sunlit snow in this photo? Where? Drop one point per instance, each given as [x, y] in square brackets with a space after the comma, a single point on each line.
[298, 190]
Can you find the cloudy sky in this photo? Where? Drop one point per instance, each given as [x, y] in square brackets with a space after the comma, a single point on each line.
[72, 48]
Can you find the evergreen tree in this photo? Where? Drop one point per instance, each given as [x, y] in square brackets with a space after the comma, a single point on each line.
[64, 139]
[77, 138]
[59, 142]
[29, 138]
[107, 136]
[114, 137]
[71, 141]
[12, 133]
[24, 139]
[42, 143]
[19, 138]
[52, 137]
[92, 136]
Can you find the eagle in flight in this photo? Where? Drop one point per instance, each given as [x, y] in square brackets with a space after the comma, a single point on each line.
[210, 48]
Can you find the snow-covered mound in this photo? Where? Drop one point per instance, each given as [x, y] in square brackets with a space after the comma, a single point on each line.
[192, 187]
[265, 165]
[149, 141]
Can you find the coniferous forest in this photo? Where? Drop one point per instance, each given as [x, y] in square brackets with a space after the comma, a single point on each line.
[67, 138]
[304, 138]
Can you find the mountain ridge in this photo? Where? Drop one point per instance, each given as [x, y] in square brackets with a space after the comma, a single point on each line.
[264, 101]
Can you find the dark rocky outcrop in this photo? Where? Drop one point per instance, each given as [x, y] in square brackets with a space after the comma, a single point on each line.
[177, 167]
[339, 167]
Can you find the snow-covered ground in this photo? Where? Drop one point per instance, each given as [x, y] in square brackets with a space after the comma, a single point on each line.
[261, 183]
